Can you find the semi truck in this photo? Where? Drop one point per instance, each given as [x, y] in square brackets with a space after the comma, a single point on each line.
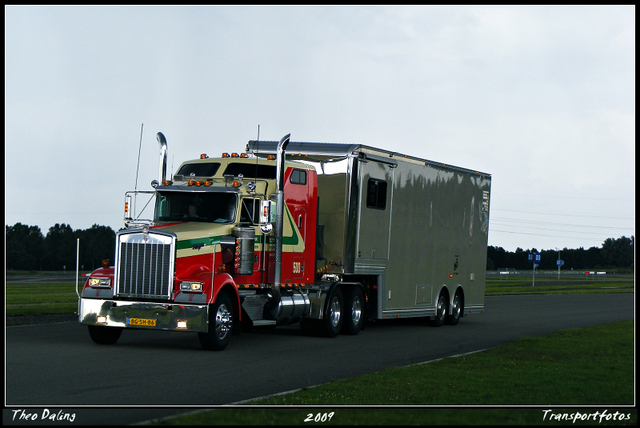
[327, 235]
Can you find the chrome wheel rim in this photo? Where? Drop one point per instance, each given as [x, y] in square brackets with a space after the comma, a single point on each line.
[356, 310]
[224, 321]
[441, 306]
[456, 306]
[335, 312]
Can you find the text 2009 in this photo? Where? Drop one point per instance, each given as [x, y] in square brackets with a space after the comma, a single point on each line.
[319, 417]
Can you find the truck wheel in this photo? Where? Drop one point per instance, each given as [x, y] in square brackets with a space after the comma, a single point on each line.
[104, 335]
[441, 310]
[354, 308]
[331, 323]
[456, 309]
[220, 325]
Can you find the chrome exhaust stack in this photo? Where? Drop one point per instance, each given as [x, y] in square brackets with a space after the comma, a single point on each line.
[280, 168]
[162, 169]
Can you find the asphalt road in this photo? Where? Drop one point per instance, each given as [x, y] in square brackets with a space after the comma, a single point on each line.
[58, 368]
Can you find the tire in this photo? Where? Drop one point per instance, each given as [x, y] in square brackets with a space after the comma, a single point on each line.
[441, 310]
[331, 323]
[456, 309]
[354, 311]
[104, 335]
[220, 325]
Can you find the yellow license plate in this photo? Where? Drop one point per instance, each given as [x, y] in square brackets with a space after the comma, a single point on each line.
[142, 321]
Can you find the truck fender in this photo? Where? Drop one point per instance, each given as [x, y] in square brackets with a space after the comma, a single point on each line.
[104, 272]
[445, 289]
[224, 283]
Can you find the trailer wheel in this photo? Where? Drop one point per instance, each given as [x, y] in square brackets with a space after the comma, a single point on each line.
[441, 310]
[220, 325]
[456, 309]
[354, 308]
[331, 324]
[104, 335]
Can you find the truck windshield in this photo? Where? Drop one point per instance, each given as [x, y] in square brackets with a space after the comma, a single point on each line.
[209, 207]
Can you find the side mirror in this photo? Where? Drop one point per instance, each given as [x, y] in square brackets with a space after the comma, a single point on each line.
[266, 221]
[127, 208]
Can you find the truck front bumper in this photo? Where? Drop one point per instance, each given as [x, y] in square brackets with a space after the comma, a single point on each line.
[148, 315]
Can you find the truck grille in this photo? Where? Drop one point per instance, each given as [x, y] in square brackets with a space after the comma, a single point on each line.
[144, 264]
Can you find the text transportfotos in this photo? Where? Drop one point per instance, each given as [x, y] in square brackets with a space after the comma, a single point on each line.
[577, 416]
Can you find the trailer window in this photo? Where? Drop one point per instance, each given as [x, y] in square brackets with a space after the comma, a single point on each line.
[201, 207]
[298, 176]
[377, 194]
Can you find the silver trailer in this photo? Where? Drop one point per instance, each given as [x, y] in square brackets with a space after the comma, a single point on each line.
[413, 232]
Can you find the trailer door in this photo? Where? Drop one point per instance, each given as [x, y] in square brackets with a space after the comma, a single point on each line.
[376, 195]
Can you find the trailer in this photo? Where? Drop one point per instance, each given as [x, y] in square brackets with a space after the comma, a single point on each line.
[326, 235]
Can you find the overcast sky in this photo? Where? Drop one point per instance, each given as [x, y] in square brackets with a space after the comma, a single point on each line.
[542, 98]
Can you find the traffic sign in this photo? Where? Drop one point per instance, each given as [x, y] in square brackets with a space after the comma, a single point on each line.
[560, 263]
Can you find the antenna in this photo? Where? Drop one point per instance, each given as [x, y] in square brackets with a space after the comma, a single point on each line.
[135, 194]
[253, 208]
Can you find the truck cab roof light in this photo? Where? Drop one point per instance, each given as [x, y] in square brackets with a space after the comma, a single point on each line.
[225, 155]
[204, 156]
[167, 183]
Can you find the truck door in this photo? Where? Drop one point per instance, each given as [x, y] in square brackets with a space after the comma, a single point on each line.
[376, 196]
[301, 196]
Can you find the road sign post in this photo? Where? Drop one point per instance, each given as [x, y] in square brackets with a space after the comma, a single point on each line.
[559, 263]
[535, 258]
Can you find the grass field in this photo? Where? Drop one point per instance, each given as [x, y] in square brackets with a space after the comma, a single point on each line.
[523, 284]
[40, 298]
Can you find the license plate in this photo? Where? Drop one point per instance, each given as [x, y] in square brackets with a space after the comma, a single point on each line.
[142, 321]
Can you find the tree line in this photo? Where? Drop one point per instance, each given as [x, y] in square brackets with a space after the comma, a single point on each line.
[614, 254]
[27, 249]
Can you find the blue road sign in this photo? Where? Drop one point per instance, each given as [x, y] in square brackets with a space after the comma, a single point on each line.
[560, 263]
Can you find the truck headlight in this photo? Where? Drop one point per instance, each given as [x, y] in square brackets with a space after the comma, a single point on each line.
[194, 287]
[100, 282]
